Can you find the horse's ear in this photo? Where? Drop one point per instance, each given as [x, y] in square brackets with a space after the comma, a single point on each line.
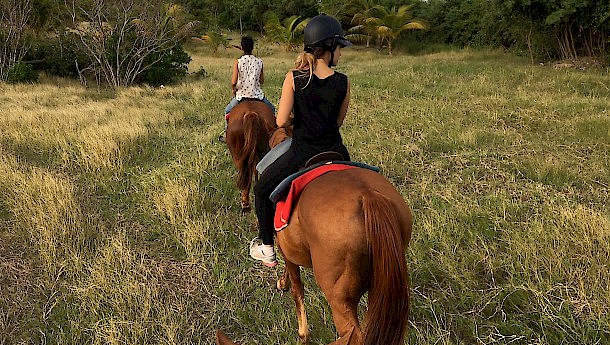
[222, 339]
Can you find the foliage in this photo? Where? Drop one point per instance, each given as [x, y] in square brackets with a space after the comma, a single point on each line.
[357, 11]
[289, 34]
[247, 15]
[170, 68]
[14, 17]
[579, 27]
[543, 29]
[214, 39]
[386, 24]
[58, 54]
[46, 15]
[125, 39]
[21, 73]
[200, 73]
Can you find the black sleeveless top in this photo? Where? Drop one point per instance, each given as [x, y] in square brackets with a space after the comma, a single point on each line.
[316, 109]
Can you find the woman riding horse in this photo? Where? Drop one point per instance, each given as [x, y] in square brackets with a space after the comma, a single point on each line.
[246, 80]
[352, 226]
[318, 97]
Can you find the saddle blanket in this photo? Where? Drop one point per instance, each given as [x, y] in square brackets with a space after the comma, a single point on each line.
[283, 207]
[281, 191]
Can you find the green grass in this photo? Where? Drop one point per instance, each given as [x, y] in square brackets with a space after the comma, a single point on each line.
[120, 222]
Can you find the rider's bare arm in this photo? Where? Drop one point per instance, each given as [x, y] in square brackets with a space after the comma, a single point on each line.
[234, 78]
[344, 106]
[261, 79]
[283, 118]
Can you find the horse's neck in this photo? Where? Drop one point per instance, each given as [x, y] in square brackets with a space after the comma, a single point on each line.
[280, 135]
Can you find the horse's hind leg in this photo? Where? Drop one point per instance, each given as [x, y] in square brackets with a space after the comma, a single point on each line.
[343, 298]
[294, 273]
[245, 200]
[283, 284]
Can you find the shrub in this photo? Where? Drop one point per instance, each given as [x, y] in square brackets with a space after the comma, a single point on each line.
[200, 73]
[58, 55]
[21, 73]
[172, 67]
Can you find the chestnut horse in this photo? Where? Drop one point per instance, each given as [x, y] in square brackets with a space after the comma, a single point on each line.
[248, 131]
[353, 228]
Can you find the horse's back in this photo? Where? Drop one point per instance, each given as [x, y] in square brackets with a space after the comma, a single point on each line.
[237, 128]
[249, 127]
[328, 220]
[259, 107]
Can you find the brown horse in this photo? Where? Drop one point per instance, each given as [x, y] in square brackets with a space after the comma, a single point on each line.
[248, 131]
[353, 227]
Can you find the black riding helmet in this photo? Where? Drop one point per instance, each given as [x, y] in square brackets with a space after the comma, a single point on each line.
[325, 32]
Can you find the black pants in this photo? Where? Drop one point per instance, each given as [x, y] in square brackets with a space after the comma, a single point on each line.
[286, 165]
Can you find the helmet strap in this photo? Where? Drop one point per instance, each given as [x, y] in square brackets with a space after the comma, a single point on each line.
[332, 58]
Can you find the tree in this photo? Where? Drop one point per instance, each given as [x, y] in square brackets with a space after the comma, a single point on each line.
[124, 38]
[13, 21]
[289, 34]
[331, 7]
[358, 11]
[577, 26]
[388, 24]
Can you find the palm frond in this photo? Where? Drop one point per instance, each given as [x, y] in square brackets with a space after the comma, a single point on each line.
[404, 10]
[384, 31]
[356, 29]
[413, 26]
[357, 38]
[302, 24]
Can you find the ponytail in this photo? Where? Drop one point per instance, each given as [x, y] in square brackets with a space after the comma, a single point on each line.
[307, 61]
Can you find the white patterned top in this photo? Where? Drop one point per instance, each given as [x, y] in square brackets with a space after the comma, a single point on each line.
[248, 81]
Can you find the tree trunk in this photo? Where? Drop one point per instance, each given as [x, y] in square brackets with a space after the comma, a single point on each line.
[13, 21]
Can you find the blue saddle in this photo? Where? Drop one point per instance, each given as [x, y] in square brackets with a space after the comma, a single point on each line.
[284, 187]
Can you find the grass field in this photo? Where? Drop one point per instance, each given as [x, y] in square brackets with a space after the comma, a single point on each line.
[120, 222]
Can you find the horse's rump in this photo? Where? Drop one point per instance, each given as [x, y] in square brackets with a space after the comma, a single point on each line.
[250, 124]
[330, 216]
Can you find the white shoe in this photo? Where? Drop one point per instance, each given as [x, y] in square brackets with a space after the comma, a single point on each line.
[263, 253]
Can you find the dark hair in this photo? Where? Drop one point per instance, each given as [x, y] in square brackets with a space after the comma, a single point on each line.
[247, 44]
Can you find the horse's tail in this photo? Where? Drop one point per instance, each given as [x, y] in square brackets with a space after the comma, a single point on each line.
[388, 301]
[253, 125]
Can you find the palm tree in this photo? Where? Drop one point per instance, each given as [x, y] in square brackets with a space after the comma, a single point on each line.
[356, 9]
[388, 24]
[214, 39]
[290, 34]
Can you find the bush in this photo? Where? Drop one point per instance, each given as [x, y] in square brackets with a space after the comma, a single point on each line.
[21, 73]
[58, 55]
[172, 68]
[200, 73]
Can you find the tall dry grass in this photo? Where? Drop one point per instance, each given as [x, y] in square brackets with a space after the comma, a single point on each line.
[120, 222]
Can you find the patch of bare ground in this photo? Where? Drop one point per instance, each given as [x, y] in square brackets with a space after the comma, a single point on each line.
[580, 63]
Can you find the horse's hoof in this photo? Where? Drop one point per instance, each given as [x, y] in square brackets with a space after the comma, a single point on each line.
[245, 209]
[304, 338]
[282, 285]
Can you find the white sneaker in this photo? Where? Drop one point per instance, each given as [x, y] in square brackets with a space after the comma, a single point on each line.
[263, 253]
